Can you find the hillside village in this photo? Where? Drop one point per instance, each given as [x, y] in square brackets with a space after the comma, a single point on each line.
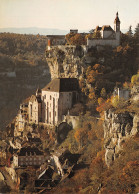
[54, 134]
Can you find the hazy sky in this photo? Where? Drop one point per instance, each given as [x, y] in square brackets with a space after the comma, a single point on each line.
[66, 14]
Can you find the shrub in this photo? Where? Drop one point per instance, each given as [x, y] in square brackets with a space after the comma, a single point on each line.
[135, 79]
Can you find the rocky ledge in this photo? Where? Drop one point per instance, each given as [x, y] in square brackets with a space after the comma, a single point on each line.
[117, 128]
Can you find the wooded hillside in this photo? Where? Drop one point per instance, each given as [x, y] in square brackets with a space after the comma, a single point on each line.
[23, 68]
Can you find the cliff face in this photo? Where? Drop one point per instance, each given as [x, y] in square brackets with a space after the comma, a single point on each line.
[66, 61]
[117, 128]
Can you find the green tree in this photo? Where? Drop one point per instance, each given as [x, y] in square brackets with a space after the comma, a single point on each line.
[130, 32]
[136, 35]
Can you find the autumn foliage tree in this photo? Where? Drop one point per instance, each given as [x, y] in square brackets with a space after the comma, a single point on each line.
[76, 39]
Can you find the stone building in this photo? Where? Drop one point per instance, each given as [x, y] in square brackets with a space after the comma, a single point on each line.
[28, 156]
[21, 118]
[109, 37]
[57, 98]
[122, 93]
[35, 108]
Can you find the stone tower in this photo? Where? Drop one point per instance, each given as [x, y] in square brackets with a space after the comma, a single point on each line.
[117, 28]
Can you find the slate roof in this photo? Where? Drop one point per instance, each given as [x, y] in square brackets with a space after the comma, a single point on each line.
[104, 28]
[107, 28]
[30, 151]
[62, 85]
[56, 36]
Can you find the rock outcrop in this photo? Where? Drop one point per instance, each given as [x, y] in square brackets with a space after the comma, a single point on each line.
[135, 93]
[117, 128]
[67, 61]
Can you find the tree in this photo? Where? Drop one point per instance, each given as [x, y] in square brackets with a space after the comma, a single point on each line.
[129, 32]
[136, 35]
[135, 79]
[97, 35]
[81, 136]
[103, 93]
[76, 39]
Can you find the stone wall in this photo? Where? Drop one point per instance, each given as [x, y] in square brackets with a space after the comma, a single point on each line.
[117, 128]
[102, 42]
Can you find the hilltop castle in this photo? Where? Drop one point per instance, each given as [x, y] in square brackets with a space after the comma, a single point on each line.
[109, 36]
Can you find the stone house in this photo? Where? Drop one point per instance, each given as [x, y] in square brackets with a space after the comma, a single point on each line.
[109, 37]
[28, 156]
[57, 98]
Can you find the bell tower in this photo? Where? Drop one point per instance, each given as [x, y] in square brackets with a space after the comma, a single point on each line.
[117, 23]
[117, 29]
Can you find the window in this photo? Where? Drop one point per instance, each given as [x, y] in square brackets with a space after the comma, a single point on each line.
[50, 97]
[26, 159]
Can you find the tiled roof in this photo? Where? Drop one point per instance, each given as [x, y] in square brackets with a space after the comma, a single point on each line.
[62, 85]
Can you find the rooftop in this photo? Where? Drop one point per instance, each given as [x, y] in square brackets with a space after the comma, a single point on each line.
[107, 28]
[33, 98]
[62, 85]
[30, 151]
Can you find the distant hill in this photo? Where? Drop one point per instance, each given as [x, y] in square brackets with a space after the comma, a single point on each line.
[35, 30]
[42, 31]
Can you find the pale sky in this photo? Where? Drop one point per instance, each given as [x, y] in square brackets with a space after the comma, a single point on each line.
[67, 14]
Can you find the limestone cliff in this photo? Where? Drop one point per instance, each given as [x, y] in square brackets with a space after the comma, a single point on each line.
[67, 61]
[117, 128]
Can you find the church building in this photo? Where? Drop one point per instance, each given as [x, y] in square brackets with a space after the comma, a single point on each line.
[57, 98]
[109, 37]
